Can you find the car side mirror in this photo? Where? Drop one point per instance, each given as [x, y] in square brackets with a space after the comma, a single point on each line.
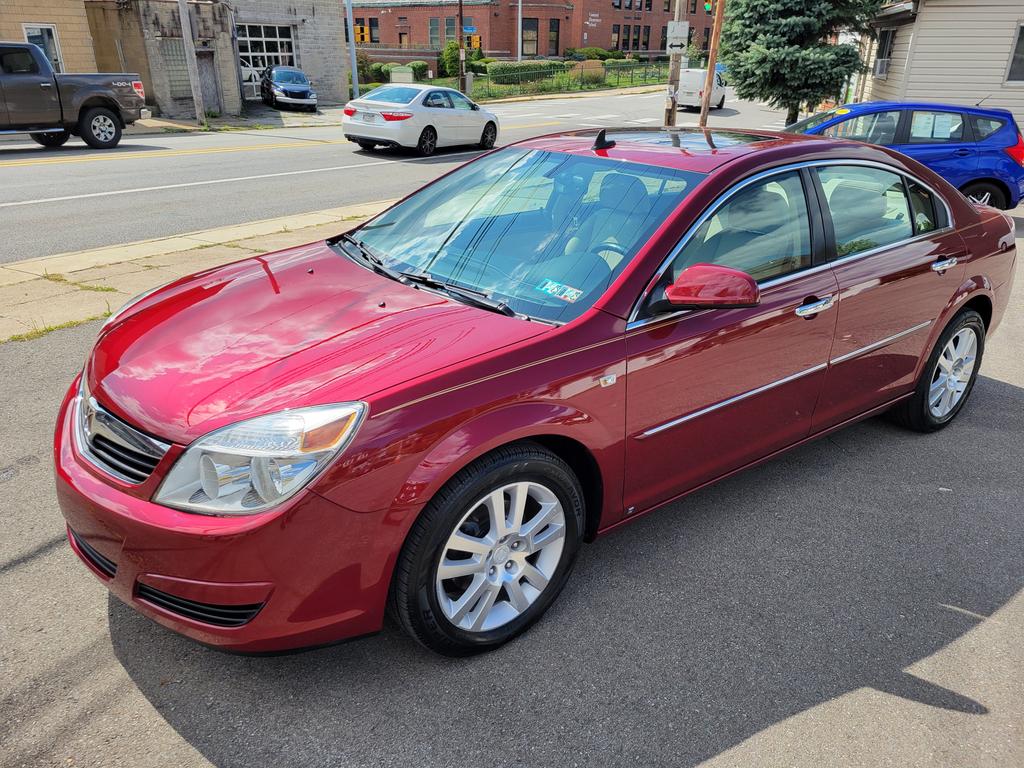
[711, 286]
[474, 106]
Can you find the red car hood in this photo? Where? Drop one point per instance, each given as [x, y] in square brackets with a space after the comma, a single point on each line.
[300, 327]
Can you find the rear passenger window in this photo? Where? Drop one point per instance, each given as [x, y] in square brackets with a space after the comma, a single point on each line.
[936, 127]
[868, 206]
[929, 213]
[17, 61]
[985, 126]
[762, 230]
[876, 128]
[437, 100]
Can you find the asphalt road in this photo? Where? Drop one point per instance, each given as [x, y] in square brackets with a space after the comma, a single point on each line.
[54, 201]
[857, 602]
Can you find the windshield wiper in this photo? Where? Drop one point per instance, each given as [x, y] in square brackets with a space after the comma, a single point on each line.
[468, 295]
[365, 255]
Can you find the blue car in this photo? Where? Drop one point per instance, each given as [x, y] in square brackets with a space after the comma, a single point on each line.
[979, 151]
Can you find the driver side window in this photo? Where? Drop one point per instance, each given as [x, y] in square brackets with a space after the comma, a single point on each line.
[763, 230]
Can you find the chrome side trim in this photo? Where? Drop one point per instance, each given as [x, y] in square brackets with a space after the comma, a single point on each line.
[730, 401]
[632, 318]
[879, 344]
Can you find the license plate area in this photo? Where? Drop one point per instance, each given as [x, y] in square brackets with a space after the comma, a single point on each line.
[367, 117]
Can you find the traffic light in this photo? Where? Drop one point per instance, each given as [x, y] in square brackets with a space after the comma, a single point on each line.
[707, 7]
[473, 41]
[362, 34]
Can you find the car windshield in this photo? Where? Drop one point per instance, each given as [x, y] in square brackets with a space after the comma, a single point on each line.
[809, 123]
[393, 94]
[543, 232]
[289, 77]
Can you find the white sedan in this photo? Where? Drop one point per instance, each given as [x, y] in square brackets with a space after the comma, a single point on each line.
[420, 116]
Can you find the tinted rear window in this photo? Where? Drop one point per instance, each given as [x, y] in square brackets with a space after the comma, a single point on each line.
[986, 126]
[393, 94]
[17, 61]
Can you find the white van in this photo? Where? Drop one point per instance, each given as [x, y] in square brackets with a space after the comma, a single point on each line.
[691, 88]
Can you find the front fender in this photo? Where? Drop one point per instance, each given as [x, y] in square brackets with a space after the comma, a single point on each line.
[521, 421]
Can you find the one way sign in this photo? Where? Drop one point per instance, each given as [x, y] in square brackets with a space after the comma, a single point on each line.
[678, 36]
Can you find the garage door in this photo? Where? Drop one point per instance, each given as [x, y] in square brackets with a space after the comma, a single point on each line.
[261, 46]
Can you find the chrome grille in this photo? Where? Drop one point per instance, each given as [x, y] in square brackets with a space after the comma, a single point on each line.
[114, 446]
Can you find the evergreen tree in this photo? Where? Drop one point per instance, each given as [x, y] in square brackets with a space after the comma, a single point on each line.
[781, 51]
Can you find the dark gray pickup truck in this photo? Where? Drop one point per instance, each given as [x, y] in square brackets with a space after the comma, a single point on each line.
[50, 107]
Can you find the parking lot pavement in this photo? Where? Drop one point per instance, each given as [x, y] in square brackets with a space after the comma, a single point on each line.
[856, 602]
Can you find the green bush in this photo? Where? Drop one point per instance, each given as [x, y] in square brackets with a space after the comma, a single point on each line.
[380, 72]
[477, 67]
[419, 69]
[363, 64]
[509, 72]
[619, 63]
[592, 52]
[450, 59]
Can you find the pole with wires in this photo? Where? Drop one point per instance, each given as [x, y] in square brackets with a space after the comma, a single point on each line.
[709, 79]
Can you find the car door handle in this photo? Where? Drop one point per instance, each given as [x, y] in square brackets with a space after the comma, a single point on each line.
[46, 85]
[942, 265]
[962, 152]
[812, 308]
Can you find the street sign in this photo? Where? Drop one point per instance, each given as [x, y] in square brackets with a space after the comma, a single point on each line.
[678, 36]
[469, 30]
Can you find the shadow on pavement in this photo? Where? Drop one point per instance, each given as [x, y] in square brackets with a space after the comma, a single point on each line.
[832, 568]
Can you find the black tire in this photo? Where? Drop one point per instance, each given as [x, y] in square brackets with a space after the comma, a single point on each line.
[978, 190]
[414, 600]
[50, 139]
[915, 412]
[369, 146]
[488, 136]
[721, 102]
[427, 144]
[100, 128]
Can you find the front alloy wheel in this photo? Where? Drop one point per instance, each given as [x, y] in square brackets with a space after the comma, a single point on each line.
[490, 552]
[485, 580]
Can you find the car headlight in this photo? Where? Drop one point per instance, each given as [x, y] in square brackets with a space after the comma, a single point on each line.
[277, 89]
[312, 94]
[256, 464]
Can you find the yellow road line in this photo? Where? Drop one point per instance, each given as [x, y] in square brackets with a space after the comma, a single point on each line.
[108, 156]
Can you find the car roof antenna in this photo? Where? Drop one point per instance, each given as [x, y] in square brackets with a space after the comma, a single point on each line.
[983, 100]
[601, 142]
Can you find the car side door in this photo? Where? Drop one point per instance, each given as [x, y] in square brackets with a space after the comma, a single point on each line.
[441, 114]
[895, 257]
[713, 390]
[470, 124]
[942, 140]
[872, 127]
[29, 89]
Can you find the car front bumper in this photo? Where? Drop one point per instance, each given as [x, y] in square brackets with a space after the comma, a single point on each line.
[308, 573]
[295, 100]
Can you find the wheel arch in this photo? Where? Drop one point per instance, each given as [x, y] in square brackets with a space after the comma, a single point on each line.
[998, 183]
[96, 100]
[975, 293]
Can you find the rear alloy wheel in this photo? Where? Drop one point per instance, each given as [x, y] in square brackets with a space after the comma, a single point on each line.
[428, 142]
[100, 128]
[948, 377]
[56, 139]
[489, 136]
[986, 193]
[490, 552]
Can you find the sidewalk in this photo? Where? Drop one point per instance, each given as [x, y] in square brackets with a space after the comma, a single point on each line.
[45, 294]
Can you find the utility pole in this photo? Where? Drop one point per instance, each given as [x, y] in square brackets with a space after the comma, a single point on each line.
[352, 63]
[519, 33]
[462, 53]
[709, 80]
[674, 62]
[190, 61]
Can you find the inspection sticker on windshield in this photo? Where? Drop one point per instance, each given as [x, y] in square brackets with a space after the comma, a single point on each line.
[559, 291]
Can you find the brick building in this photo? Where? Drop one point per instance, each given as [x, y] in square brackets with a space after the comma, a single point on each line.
[59, 27]
[410, 29]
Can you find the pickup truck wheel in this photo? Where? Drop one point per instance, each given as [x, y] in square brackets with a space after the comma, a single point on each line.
[50, 139]
[100, 128]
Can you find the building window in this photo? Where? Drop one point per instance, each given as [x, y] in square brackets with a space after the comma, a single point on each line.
[530, 28]
[45, 36]
[663, 46]
[886, 38]
[629, 5]
[449, 29]
[616, 3]
[666, 7]
[374, 31]
[625, 36]
[636, 37]
[707, 38]
[615, 37]
[172, 51]
[647, 5]
[403, 19]
[434, 35]
[646, 45]
[260, 46]
[1016, 71]
[552, 37]
[693, 6]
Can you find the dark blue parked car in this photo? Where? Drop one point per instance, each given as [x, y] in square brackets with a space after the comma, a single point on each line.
[980, 151]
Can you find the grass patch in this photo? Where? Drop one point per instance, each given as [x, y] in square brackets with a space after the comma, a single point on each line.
[37, 333]
[54, 277]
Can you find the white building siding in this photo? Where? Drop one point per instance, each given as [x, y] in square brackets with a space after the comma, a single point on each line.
[957, 51]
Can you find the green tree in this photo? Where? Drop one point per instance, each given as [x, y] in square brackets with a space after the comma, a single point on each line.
[450, 58]
[780, 51]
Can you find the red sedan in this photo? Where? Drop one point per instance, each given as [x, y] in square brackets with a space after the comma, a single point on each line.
[429, 414]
